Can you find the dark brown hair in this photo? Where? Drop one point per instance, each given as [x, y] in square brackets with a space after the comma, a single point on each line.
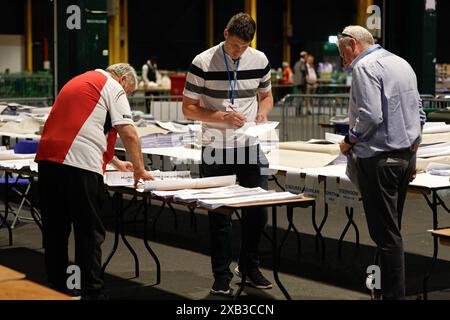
[242, 26]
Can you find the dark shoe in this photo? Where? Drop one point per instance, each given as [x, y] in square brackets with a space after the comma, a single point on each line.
[221, 286]
[256, 278]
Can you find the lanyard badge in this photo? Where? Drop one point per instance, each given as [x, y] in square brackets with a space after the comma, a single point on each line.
[232, 84]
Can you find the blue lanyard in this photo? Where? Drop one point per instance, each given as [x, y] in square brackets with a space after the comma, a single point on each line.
[232, 86]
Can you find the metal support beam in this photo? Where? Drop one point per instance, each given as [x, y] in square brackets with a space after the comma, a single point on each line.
[29, 36]
[251, 9]
[114, 32]
[210, 23]
[124, 44]
[287, 30]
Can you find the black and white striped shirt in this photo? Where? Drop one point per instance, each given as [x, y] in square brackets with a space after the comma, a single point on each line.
[208, 81]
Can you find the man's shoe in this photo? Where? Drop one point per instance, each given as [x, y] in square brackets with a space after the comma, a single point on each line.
[256, 278]
[221, 286]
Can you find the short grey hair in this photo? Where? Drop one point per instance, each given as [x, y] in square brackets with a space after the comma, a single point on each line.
[124, 69]
[360, 34]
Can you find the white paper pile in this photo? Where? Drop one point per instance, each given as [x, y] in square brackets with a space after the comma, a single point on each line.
[264, 196]
[199, 183]
[168, 140]
[438, 169]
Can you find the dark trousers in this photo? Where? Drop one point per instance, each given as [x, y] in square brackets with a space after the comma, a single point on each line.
[71, 196]
[249, 174]
[383, 182]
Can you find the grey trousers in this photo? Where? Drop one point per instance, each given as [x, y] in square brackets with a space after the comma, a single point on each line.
[383, 182]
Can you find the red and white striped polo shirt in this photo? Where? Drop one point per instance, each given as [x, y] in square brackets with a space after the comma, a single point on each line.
[80, 129]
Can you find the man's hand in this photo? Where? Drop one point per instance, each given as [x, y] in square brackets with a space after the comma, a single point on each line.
[144, 175]
[413, 176]
[345, 147]
[125, 166]
[261, 117]
[234, 119]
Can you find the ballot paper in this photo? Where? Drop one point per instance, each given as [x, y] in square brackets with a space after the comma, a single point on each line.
[266, 196]
[211, 193]
[438, 169]
[435, 127]
[19, 164]
[255, 130]
[199, 183]
[434, 150]
[173, 127]
[170, 175]
[10, 155]
[118, 178]
[334, 138]
[430, 181]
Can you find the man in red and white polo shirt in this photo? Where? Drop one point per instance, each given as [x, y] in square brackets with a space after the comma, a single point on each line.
[77, 143]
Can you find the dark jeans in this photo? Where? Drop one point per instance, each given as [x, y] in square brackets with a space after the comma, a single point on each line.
[248, 173]
[71, 196]
[383, 182]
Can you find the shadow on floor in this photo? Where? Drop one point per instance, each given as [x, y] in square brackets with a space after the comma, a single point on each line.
[348, 272]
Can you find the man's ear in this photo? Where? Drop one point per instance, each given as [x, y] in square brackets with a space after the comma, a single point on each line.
[225, 33]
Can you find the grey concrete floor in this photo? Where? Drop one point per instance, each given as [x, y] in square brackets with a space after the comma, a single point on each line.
[185, 260]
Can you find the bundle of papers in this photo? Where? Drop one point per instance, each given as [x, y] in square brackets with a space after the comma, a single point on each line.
[199, 183]
[438, 169]
[118, 178]
[434, 150]
[167, 175]
[263, 196]
[435, 127]
[19, 164]
[256, 130]
[10, 155]
[213, 198]
[168, 140]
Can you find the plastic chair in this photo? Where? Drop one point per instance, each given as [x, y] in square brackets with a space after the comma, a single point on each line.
[22, 147]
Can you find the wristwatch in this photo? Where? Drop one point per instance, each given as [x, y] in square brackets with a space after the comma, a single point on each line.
[114, 159]
[347, 140]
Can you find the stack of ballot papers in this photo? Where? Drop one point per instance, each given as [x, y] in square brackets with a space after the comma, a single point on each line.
[262, 196]
[252, 129]
[188, 183]
[434, 150]
[19, 164]
[11, 155]
[168, 140]
[438, 169]
[213, 198]
[435, 127]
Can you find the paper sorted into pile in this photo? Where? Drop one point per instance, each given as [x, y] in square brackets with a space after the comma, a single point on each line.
[19, 164]
[213, 198]
[199, 183]
[164, 175]
[118, 178]
[262, 196]
[438, 169]
[255, 130]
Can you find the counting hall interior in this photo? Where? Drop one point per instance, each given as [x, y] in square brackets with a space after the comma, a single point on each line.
[218, 150]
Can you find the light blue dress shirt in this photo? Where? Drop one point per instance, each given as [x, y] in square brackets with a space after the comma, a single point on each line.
[385, 107]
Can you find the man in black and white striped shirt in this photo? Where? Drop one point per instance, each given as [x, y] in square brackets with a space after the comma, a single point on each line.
[227, 86]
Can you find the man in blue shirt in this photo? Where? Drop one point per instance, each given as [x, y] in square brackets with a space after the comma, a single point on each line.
[386, 120]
